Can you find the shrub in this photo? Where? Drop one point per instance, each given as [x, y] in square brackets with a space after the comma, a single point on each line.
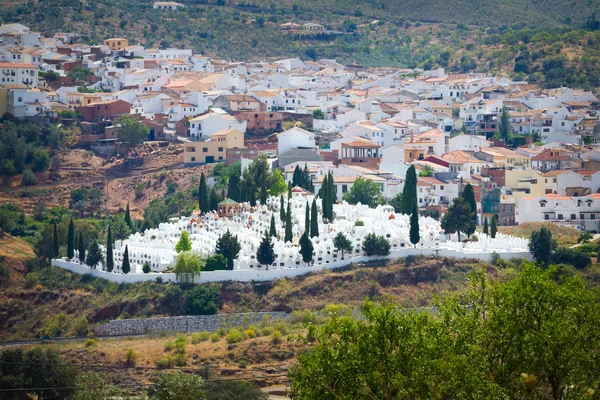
[179, 359]
[203, 300]
[496, 259]
[91, 342]
[164, 362]
[215, 263]
[169, 346]
[180, 347]
[79, 326]
[572, 257]
[266, 331]
[359, 223]
[214, 338]
[243, 363]
[200, 337]
[234, 336]
[29, 178]
[130, 357]
[282, 327]
[250, 333]
[276, 337]
[146, 268]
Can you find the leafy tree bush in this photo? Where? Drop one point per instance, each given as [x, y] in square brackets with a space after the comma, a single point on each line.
[188, 266]
[577, 259]
[374, 245]
[541, 245]
[342, 243]
[364, 191]
[215, 262]
[184, 243]
[179, 386]
[203, 300]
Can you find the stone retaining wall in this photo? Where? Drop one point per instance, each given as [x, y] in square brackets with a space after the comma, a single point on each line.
[199, 323]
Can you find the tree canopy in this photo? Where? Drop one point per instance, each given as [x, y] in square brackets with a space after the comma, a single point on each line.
[188, 266]
[364, 191]
[131, 131]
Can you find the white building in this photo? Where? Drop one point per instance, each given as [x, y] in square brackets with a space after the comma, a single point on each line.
[295, 137]
[215, 120]
[578, 212]
[167, 5]
[20, 74]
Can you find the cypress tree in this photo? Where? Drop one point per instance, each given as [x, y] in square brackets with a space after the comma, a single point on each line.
[214, 199]
[307, 218]
[306, 248]
[251, 195]
[128, 217]
[281, 209]
[314, 220]
[409, 195]
[263, 195]
[272, 229]
[289, 190]
[71, 241]
[203, 202]
[126, 267]
[324, 194]
[55, 242]
[81, 249]
[233, 188]
[485, 226]
[109, 251]
[414, 226]
[469, 195]
[288, 224]
[297, 177]
[332, 198]
[493, 227]
[307, 182]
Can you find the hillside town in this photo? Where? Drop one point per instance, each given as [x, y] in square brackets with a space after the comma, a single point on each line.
[529, 153]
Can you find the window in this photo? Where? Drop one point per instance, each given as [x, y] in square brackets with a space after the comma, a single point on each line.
[573, 216]
[560, 217]
[220, 149]
[547, 217]
[220, 158]
[20, 99]
[344, 188]
[205, 149]
[193, 159]
[581, 216]
[592, 216]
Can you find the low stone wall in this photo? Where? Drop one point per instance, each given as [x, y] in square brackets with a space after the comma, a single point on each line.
[199, 323]
[261, 274]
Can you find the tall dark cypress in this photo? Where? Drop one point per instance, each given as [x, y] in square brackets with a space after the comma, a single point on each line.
[314, 220]
[109, 251]
[289, 190]
[251, 195]
[125, 267]
[414, 226]
[307, 219]
[263, 195]
[493, 227]
[272, 229]
[281, 209]
[128, 217]
[288, 224]
[203, 202]
[486, 229]
[71, 241]
[233, 188]
[81, 249]
[409, 194]
[324, 191]
[55, 242]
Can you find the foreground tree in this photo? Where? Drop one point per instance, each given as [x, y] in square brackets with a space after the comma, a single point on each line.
[288, 224]
[281, 209]
[307, 218]
[233, 188]
[184, 243]
[374, 245]
[342, 244]
[468, 194]
[179, 386]
[265, 254]
[55, 241]
[458, 218]
[71, 241]
[128, 217]
[272, 228]
[505, 126]
[229, 246]
[203, 300]
[214, 199]
[364, 191]
[187, 267]
[542, 245]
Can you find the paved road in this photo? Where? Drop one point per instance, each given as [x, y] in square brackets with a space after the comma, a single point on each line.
[594, 237]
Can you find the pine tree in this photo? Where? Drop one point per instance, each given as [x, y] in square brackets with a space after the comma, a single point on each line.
[306, 248]
[414, 226]
[272, 229]
[55, 242]
[233, 188]
[125, 268]
[184, 243]
[71, 241]
[263, 195]
[265, 254]
[128, 217]
[281, 209]
[342, 243]
[109, 251]
[94, 255]
[203, 202]
[485, 226]
[81, 248]
[229, 247]
[409, 194]
[288, 224]
[307, 218]
[314, 220]
[493, 227]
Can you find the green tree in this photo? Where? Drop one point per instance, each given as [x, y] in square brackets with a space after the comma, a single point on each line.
[281, 209]
[127, 218]
[233, 390]
[81, 248]
[71, 241]
[55, 242]
[374, 245]
[364, 191]
[146, 268]
[126, 267]
[94, 255]
[486, 229]
[263, 195]
[278, 185]
[409, 194]
[458, 218]
[184, 243]
[318, 114]
[120, 228]
[109, 251]
[229, 246]
[289, 190]
[493, 227]
[214, 199]
[203, 202]
[542, 245]
[468, 194]
[306, 248]
[179, 386]
[187, 267]
[265, 254]
[288, 224]
[342, 243]
[314, 220]
[155, 214]
[233, 188]
[130, 131]
[505, 126]
[415, 237]
[307, 218]
[203, 300]
[40, 161]
[396, 202]
[272, 229]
